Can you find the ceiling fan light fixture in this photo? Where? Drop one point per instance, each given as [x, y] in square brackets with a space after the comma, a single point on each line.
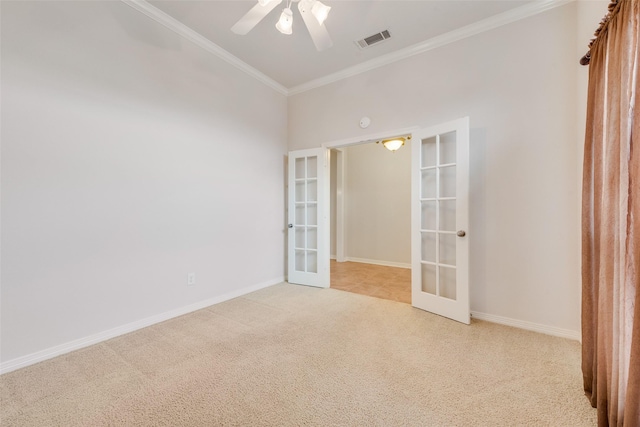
[320, 11]
[285, 23]
[262, 8]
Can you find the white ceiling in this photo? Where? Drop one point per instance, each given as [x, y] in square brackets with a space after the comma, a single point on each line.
[292, 60]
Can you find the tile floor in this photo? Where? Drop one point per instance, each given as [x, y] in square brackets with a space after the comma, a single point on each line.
[392, 283]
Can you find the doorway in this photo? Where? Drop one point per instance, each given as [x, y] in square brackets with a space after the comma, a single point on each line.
[370, 220]
[439, 216]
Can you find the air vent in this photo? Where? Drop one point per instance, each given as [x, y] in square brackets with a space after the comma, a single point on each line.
[373, 39]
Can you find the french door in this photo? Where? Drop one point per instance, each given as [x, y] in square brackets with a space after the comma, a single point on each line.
[308, 214]
[439, 220]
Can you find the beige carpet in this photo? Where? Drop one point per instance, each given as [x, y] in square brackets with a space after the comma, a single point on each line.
[298, 356]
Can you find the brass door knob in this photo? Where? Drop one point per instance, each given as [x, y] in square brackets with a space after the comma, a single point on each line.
[461, 233]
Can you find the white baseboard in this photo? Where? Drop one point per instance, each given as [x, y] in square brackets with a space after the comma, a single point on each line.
[377, 262]
[39, 356]
[529, 326]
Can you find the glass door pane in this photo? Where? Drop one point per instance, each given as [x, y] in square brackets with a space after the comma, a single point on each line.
[306, 214]
[438, 215]
[308, 236]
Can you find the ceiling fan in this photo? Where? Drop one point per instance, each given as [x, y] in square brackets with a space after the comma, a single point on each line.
[313, 13]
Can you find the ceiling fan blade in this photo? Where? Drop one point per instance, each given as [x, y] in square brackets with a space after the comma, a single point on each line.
[255, 15]
[319, 33]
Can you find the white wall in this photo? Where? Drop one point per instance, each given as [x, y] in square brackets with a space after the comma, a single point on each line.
[378, 204]
[517, 83]
[130, 157]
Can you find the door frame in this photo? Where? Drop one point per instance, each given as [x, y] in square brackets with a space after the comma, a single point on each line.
[328, 146]
[357, 140]
[344, 143]
[340, 201]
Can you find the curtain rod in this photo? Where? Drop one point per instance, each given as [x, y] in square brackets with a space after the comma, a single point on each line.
[613, 7]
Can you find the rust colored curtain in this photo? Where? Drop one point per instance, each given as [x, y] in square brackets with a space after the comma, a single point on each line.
[611, 221]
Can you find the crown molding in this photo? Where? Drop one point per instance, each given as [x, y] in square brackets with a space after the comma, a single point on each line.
[490, 23]
[194, 37]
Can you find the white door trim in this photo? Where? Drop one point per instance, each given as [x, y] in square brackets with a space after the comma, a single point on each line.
[369, 138]
[340, 203]
[341, 182]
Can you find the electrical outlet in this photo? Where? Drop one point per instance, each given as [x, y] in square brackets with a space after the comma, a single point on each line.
[191, 279]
